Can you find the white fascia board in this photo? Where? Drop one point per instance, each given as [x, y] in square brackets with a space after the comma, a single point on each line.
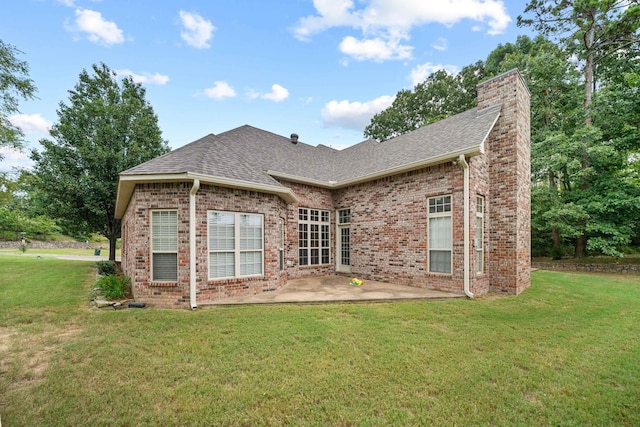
[301, 179]
[484, 140]
[284, 192]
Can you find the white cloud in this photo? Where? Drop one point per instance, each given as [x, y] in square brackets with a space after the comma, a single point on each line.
[145, 78]
[353, 115]
[421, 72]
[277, 94]
[31, 123]
[375, 49]
[252, 94]
[390, 21]
[220, 90]
[441, 44]
[14, 159]
[197, 31]
[98, 29]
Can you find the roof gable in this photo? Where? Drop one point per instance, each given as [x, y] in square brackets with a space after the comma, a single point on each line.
[250, 154]
[251, 158]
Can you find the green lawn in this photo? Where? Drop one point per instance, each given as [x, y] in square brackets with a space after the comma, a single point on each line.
[565, 352]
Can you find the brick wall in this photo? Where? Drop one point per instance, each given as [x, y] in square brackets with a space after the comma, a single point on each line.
[136, 252]
[479, 186]
[232, 200]
[508, 150]
[389, 226]
[136, 243]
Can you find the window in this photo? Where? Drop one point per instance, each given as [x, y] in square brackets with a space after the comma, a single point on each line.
[235, 245]
[478, 242]
[281, 242]
[344, 216]
[313, 236]
[344, 238]
[164, 246]
[440, 234]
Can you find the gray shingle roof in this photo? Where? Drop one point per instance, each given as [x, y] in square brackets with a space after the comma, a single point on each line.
[247, 153]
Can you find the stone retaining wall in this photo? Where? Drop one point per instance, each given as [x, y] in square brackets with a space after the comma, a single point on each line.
[53, 245]
[591, 268]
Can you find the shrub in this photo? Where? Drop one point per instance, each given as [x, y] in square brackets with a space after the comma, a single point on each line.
[556, 253]
[114, 287]
[106, 268]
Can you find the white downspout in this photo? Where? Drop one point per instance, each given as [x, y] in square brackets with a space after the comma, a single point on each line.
[465, 167]
[192, 243]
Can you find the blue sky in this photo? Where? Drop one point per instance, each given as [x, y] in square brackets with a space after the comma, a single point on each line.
[318, 68]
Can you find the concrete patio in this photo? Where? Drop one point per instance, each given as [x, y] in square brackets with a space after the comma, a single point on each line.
[336, 289]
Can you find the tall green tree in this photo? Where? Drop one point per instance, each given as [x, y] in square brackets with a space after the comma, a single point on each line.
[440, 95]
[14, 84]
[593, 31]
[106, 127]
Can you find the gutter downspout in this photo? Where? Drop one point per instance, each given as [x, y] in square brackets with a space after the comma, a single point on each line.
[192, 243]
[465, 166]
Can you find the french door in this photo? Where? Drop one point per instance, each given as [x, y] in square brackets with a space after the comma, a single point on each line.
[343, 262]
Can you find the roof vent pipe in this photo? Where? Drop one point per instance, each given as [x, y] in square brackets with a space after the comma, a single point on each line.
[294, 138]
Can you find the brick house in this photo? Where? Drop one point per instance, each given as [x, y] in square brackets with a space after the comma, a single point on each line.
[446, 207]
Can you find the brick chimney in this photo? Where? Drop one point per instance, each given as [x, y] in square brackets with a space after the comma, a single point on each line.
[508, 226]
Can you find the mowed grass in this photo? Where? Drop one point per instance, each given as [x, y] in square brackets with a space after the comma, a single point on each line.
[565, 352]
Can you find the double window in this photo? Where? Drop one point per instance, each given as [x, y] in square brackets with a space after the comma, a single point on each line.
[313, 236]
[236, 243]
[164, 246]
[440, 234]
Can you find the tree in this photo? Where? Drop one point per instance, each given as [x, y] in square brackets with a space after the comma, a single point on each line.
[593, 31]
[14, 84]
[440, 95]
[105, 128]
[17, 213]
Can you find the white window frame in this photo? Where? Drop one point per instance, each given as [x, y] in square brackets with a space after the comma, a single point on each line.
[237, 251]
[163, 251]
[478, 241]
[307, 219]
[437, 211]
[343, 219]
[281, 240]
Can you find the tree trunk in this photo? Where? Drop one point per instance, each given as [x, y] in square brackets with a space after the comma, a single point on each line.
[112, 248]
[589, 37]
[589, 72]
[556, 239]
[581, 246]
[113, 232]
[555, 234]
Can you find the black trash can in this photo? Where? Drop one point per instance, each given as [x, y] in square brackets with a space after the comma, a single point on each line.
[96, 252]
